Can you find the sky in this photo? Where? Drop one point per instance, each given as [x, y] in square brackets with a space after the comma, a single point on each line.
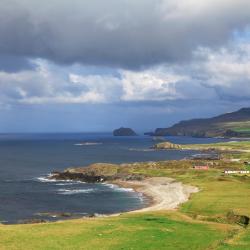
[91, 65]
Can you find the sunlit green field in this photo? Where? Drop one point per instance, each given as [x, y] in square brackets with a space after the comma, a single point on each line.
[233, 145]
[135, 231]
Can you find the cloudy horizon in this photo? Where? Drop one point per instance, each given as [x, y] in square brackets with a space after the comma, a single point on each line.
[71, 66]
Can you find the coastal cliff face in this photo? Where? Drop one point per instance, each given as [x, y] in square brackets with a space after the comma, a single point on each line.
[235, 124]
[124, 132]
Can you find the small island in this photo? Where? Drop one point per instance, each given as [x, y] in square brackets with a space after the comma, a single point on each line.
[166, 145]
[124, 132]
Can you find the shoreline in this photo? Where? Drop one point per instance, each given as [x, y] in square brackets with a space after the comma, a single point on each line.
[164, 193]
[160, 191]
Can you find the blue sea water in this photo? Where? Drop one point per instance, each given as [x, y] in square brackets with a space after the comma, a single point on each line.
[27, 159]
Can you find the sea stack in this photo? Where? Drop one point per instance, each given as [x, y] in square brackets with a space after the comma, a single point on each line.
[124, 132]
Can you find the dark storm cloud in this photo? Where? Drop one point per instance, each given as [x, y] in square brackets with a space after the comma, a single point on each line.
[117, 33]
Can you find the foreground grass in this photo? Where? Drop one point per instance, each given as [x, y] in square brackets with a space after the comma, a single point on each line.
[134, 231]
[241, 242]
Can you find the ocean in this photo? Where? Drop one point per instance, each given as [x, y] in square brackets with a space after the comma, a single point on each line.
[26, 160]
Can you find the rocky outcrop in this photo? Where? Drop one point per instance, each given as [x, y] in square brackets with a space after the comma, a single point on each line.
[32, 221]
[166, 145]
[89, 178]
[124, 132]
[236, 218]
[97, 173]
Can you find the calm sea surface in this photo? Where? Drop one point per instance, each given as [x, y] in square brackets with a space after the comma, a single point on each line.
[26, 160]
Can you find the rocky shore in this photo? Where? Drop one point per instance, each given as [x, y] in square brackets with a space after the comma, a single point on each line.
[165, 193]
[89, 178]
[97, 173]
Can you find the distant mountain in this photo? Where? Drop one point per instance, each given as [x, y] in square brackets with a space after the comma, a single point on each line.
[124, 132]
[235, 124]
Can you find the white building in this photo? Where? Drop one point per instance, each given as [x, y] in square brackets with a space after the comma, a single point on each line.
[236, 172]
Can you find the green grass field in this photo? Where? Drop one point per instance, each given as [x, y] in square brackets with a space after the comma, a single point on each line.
[234, 145]
[135, 231]
[198, 224]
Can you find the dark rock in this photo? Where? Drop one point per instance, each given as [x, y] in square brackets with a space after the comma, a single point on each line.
[96, 173]
[32, 221]
[239, 219]
[65, 214]
[134, 177]
[52, 214]
[90, 178]
[124, 132]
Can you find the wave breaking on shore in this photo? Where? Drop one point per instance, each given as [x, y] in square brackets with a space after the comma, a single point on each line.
[165, 193]
[72, 191]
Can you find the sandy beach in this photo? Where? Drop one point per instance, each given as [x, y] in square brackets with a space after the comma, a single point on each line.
[165, 193]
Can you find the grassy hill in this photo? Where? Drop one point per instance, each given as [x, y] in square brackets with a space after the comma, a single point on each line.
[235, 124]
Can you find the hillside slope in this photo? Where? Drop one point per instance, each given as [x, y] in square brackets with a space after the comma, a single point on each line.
[235, 124]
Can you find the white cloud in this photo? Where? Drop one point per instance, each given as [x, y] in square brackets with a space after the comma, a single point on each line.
[44, 86]
[108, 86]
[226, 70]
[212, 75]
[150, 85]
[66, 98]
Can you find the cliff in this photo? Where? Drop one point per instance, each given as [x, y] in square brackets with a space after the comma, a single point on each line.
[235, 124]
